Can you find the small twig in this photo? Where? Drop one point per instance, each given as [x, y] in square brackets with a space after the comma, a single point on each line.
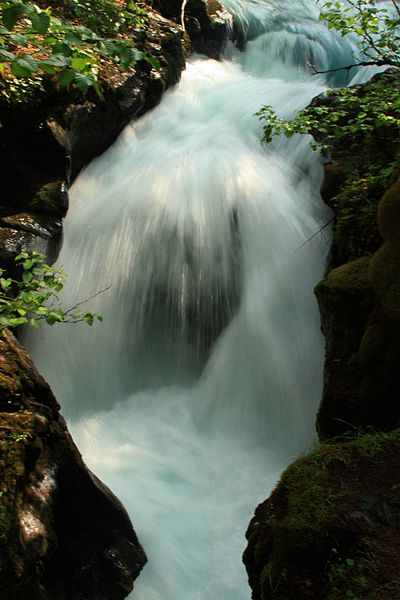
[375, 63]
[396, 6]
[67, 312]
[316, 233]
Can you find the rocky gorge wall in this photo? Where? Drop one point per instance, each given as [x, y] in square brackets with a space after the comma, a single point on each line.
[331, 528]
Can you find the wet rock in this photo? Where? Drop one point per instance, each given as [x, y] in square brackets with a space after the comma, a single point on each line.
[360, 309]
[63, 534]
[206, 23]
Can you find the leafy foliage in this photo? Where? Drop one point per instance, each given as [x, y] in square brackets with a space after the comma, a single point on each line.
[34, 42]
[33, 298]
[346, 113]
[376, 27]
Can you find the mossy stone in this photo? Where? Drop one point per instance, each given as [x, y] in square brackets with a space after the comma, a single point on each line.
[324, 525]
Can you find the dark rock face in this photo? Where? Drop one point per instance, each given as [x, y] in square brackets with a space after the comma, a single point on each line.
[360, 312]
[45, 144]
[358, 299]
[63, 534]
[206, 23]
[346, 300]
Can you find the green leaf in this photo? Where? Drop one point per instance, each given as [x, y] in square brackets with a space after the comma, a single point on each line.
[11, 15]
[83, 82]
[66, 77]
[22, 256]
[88, 318]
[19, 71]
[58, 60]
[6, 283]
[27, 264]
[79, 63]
[25, 66]
[74, 39]
[46, 68]
[15, 321]
[40, 22]
[19, 39]
[62, 48]
[5, 55]
[27, 277]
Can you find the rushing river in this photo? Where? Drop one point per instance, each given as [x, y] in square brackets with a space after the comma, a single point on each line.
[204, 379]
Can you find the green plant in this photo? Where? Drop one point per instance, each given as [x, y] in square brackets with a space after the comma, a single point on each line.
[33, 297]
[350, 578]
[375, 26]
[347, 113]
[20, 436]
[34, 42]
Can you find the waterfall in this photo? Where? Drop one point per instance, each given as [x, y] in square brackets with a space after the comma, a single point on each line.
[203, 381]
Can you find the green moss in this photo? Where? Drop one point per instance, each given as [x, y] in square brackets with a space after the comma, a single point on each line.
[305, 548]
[309, 507]
[349, 578]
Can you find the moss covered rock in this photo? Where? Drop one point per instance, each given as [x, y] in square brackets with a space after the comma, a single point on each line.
[330, 530]
[346, 300]
[360, 309]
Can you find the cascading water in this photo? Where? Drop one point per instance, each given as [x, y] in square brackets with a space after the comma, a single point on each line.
[204, 378]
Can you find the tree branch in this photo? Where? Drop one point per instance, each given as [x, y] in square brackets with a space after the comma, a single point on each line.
[316, 233]
[369, 63]
[67, 312]
[183, 14]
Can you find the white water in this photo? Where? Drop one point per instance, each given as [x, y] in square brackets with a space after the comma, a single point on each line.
[196, 226]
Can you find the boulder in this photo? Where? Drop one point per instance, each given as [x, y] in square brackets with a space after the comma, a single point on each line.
[63, 534]
[331, 528]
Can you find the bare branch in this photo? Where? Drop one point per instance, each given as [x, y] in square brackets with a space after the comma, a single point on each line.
[369, 63]
[67, 312]
[316, 233]
[396, 7]
[183, 14]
